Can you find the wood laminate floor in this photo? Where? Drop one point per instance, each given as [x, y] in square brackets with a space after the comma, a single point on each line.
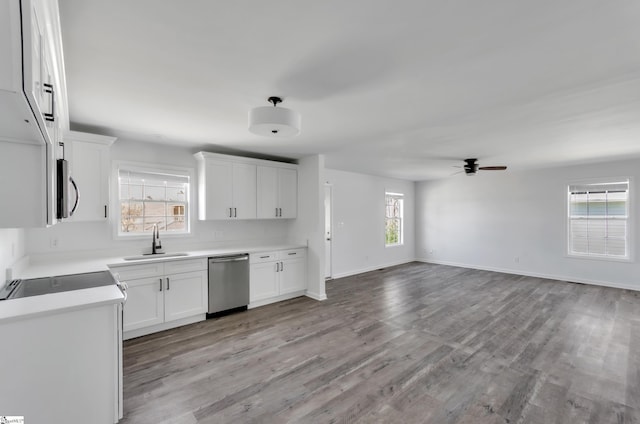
[416, 343]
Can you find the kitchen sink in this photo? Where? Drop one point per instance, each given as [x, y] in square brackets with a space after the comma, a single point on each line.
[154, 256]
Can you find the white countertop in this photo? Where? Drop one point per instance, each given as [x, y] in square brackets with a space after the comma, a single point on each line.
[29, 307]
[47, 266]
[44, 267]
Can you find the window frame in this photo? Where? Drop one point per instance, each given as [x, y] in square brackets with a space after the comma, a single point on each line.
[401, 197]
[630, 225]
[114, 203]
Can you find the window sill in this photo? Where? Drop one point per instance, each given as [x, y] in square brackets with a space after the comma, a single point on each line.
[163, 235]
[394, 245]
[599, 258]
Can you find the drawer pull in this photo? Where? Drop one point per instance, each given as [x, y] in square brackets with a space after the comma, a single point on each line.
[160, 284]
[293, 253]
[265, 257]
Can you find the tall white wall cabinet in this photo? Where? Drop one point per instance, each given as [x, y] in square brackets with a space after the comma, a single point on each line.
[34, 108]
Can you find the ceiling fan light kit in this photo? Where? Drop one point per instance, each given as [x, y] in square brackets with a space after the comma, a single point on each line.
[471, 167]
[273, 121]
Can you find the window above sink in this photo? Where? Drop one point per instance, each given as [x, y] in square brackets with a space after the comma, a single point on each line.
[152, 196]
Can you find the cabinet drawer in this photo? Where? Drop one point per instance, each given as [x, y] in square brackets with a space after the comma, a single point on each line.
[256, 258]
[292, 254]
[132, 272]
[185, 265]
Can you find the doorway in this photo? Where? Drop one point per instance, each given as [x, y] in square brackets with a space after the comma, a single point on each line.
[328, 233]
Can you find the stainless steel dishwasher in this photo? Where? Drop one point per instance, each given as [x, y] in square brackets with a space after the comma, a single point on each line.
[228, 283]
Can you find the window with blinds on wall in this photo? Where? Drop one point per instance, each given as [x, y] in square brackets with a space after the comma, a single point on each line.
[598, 220]
[393, 219]
[148, 198]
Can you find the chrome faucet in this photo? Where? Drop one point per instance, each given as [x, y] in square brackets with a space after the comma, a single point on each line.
[156, 244]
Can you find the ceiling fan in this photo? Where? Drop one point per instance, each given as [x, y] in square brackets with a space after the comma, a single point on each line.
[471, 167]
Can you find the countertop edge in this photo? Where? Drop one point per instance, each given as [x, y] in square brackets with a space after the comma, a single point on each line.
[35, 306]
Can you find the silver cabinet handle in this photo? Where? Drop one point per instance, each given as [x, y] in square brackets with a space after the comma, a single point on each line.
[281, 266]
[230, 212]
[276, 212]
[75, 205]
[277, 267]
[280, 212]
[51, 116]
[168, 286]
[160, 284]
[235, 212]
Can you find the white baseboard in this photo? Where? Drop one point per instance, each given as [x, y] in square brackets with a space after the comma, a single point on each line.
[275, 299]
[533, 274]
[371, 268]
[316, 296]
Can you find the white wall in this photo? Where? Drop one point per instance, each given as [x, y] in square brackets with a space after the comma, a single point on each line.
[11, 250]
[358, 222]
[91, 236]
[308, 228]
[516, 222]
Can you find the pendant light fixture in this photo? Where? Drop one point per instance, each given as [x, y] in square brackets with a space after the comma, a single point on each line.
[272, 121]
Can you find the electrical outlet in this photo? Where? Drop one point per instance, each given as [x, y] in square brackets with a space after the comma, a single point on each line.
[54, 242]
[517, 259]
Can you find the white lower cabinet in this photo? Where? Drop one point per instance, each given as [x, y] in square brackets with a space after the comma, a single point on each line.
[62, 366]
[277, 275]
[145, 303]
[163, 295]
[186, 295]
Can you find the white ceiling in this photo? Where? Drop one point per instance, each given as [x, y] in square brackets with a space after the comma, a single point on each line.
[395, 88]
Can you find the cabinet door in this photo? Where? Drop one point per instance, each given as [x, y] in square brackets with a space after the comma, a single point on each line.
[89, 169]
[145, 304]
[218, 190]
[288, 192]
[293, 276]
[185, 295]
[33, 30]
[267, 192]
[10, 37]
[263, 281]
[244, 191]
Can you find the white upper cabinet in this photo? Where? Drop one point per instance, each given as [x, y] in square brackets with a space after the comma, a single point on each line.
[89, 166]
[277, 192]
[244, 191]
[226, 190]
[288, 192]
[234, 187]
[215, 189]
[33, 102]
[32, 81]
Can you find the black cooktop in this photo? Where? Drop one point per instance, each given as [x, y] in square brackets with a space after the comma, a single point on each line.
[57, 284]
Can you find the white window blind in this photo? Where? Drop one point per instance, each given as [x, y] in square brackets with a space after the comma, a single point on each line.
[393, 219]
[148, 198]
[598, 219]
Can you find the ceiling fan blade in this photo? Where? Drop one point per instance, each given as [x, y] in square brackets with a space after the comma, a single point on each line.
[492, 168]
[456, 173]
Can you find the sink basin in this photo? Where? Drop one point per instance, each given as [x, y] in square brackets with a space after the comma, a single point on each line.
[154, 256]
